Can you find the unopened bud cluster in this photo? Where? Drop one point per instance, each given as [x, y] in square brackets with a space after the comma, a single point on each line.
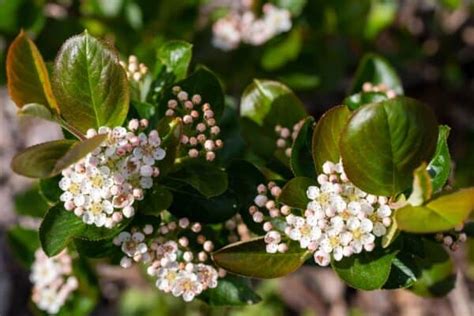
[244, 26]
[381, 87]
[286, 137]
[102, 187]
[454, 238]
[135, 70]
[53, 281]
[238, 230]
[200, 129]
[171, 257]
[340, 219]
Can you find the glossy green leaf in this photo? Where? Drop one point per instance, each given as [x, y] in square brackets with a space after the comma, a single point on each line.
[231, 291]
[156, 200]
[98, 248]
[249, 258]
[50, 190]
[59, 227]
[440, 165]
[90, 85]
[36, 110]
[403, 273]
[376, 70]
[175, 56]
[301, 160]
[384, 142]
[189, 203]
[367, 270]
[206, 178]
[48, 159]
[294, 192]
[421, 188]
[170, 131]
[326, 136]
[30, 203]
[272, 102]
[23, 244]
[442, 213]
[357, 100]
[437, 271]
[277, 55]
[28, 79]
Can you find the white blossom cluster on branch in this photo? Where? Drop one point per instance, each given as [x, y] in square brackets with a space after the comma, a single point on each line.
[135, 70]
[53, 281]
[200, 129]
[171, 257]
[245, 27]
[287, 137]
[102, 187]
[340, 220]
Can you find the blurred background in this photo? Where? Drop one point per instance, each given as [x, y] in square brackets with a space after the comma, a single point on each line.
[430, 43]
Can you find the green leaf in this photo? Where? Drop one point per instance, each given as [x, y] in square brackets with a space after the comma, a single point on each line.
[191, 204]
[367, 270]
[90, 85]
[249, 258]
[28, 79]
[384, 142]
[437, 271]
[170, 131]
[421, 188]
[98, 248]
[175, 56]
[23, 244]
[36, 110]
[301, 160]
[271, 102]
[49, 159]
[357, 100]
[327, 134]
[50, 190]
[206, 178]
[403, 272]
[442, 213]
[376, 70]
[440, 165]
[30, 203]
[278, 54]
[293, 193]
[60, 227]
[156, 200]
[231, 291]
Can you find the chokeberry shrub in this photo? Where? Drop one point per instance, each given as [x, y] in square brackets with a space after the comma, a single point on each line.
[159, 169]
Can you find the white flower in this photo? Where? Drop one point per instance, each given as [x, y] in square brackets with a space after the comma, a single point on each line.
[187, 286]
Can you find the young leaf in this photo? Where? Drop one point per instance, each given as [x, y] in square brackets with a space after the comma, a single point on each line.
[437, 271]
[384, 142]
[301, 160]
[421, 189]
[48, 159]
[293, 193]
[440, 165]
[273, 102]
[23, 244]
[249, 258]
[175, 56]
[326, 136]
[28, 79]
[367, 270]
[231, 291]
[90, 85]
[206, 178]
[376, 70]
[442, 213]
[36, 110]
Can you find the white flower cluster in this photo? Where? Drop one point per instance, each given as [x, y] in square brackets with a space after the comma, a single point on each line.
[244, 26]
[200, 130]
[340, 219]
[135, 70]
[52, 280]
[178, 269]
[102, 187]
[286, 137]
[381, 87]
